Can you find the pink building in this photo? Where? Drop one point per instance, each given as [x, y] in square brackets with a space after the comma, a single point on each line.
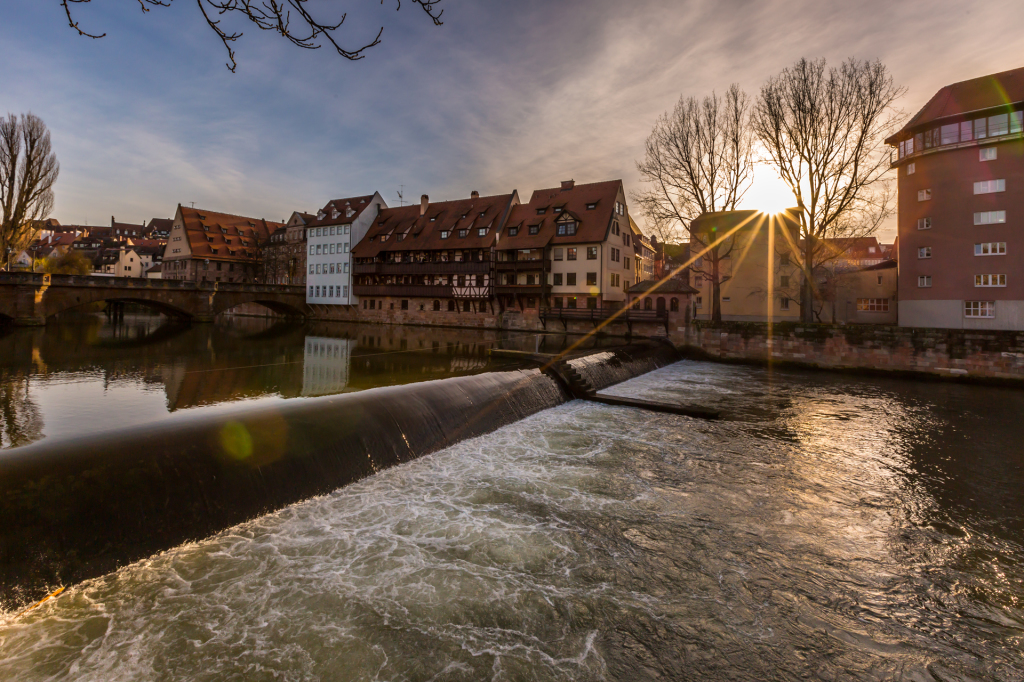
[960, 162]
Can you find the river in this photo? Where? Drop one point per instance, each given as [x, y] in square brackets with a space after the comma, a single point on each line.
[830, 527]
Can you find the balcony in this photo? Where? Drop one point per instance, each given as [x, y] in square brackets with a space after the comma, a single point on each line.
[541, 264]
[410, 290]
[524, 289]
[433, 268]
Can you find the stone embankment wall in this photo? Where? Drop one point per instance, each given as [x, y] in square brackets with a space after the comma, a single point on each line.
[996, 356]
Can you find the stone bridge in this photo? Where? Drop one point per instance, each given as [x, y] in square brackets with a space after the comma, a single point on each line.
[29, 298]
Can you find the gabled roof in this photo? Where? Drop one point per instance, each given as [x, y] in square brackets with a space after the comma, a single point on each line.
[347, 209]
[548, 206]
[159, 225]
[856, 248]
[977, 94]
[223, 236]
[404, 229]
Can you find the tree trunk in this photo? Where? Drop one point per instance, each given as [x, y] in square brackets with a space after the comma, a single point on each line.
[716, 288]
[807, 288]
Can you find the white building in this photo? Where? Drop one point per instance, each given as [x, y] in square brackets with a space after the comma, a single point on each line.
[325, 365]
[338, 226]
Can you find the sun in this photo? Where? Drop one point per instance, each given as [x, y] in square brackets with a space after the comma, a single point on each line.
[768, 193]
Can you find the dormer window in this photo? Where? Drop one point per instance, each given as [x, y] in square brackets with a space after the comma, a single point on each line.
[591, 207]
[321, 215]
[383, 237]
[401, 237]
[334, 215]
[567, 228]
[483, 213]
[463, 216]
[433, 219]
[481, 232]
[534, 229]
[349, 212]
[223, 230]
[445, 234]
[463, 233]
[206, 227]
[513, 231]
[557, 209]
[541, 211]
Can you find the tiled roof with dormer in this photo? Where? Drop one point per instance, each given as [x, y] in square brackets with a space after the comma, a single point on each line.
[591, 206]
[340, 211]
[223, 236]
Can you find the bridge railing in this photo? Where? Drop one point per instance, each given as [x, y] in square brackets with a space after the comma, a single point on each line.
[39, 279]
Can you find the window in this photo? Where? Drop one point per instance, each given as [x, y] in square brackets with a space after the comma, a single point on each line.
[446, 233]
[465, 307]
[989, 217]
[451, 306]
[344, 291]
[879, 278]
[405, 304]
[329, 248]
[566, 229]
[979, 309]
[1016, 121]
[481, 232]
[463, 232]
[990, 186]
[591, 279]
[558, 279]
[990, 249]
[698, 302]
[873, 305]
[534, 229]
[346, 247]
[558, 253]
[673, 305]
[311, 269]
[591, 253]
[570, 302]
[911, 168]
[924, 252]
[615, 280]
[990, 280]
[332, 269]
[512, 232]
[330, 291]
[998, 125]
[541, 211]
[784, 260]
[557, 301]
[924, 281]
[925, 194]
[926, 223]
[784, 281]
[950, 133]
[318, 292]
[310, 290]
[437, 306]
[570, 253]
[383, 237]
[312, 250]
[591, 206]
[784, 304]
[570, 279]
[987, 154]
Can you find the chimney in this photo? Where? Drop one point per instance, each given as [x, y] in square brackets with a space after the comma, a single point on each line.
[424, 201]
[474, 195]
[568, 184]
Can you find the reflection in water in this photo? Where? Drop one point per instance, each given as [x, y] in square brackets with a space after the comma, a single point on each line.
[85, 374]
[831, 528]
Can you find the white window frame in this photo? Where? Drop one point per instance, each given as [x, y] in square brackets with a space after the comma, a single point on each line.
[924, 281]
[924, 252]
[990, 249]
[989, 217]
[988, 154]
[990, 186]
[924, 223]
[924, 195]
[986, 281]
[911, 168]
[982, 309]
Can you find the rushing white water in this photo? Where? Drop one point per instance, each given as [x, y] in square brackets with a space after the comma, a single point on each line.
[823, 530]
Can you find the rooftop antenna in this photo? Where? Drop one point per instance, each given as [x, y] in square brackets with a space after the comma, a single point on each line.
[401, 196]
[193, 204]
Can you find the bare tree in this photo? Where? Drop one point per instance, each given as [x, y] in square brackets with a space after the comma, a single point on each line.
[823, 130]
[291, 19]
[28, 170]
[698, 160]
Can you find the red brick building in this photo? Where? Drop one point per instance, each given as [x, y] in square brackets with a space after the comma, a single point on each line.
[205, 246]
[960, 165]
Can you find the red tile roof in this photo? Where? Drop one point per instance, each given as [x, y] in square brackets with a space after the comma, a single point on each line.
[986, 92]
[222, 236]
[404, 229]
[347, 209]
[592, 224]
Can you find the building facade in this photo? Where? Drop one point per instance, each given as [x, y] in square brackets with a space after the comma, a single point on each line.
[960, 166]
[759, 271]
[205, 246]
[330, 236]
[285, 252]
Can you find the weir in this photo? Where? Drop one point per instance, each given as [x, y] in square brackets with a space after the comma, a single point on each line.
[74, 510]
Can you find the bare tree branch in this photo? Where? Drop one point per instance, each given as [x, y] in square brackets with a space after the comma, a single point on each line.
[307, 31]
[824, 131]
[28, 170]
[698, 160]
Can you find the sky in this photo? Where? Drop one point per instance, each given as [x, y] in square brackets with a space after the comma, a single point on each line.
[506, 94]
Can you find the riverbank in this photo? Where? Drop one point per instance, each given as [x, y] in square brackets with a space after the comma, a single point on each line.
[992, 357]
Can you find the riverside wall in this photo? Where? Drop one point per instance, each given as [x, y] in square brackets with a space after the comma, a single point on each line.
[972, 355]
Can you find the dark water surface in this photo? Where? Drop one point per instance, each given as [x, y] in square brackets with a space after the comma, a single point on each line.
[85, 375]
[831, 528]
